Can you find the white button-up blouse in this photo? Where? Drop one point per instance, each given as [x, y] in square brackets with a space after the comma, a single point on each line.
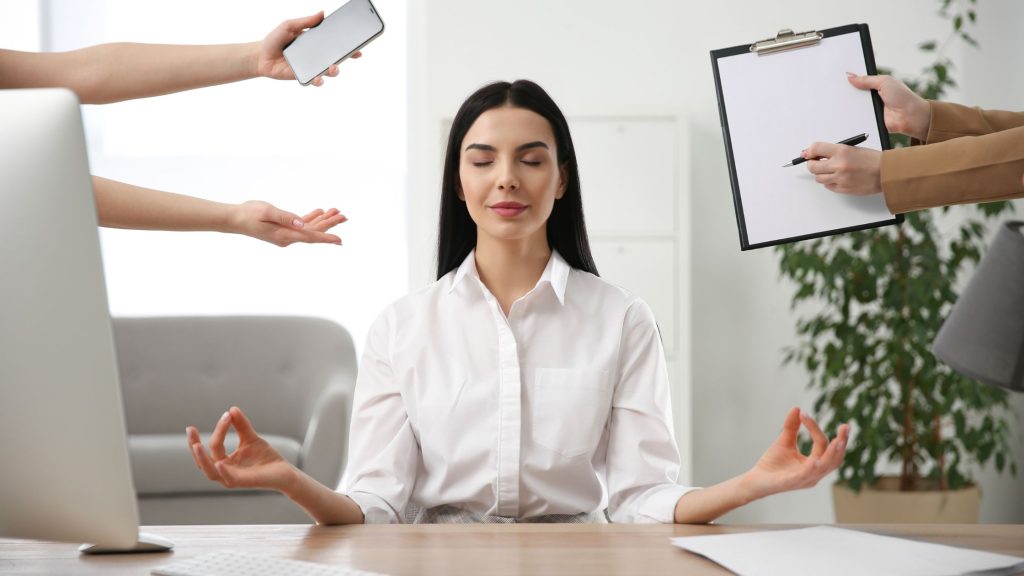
[561, 408]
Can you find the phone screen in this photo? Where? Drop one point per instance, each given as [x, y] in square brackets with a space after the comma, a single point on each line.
[339, 35]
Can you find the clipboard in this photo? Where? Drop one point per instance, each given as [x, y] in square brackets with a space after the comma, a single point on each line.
[777, 96]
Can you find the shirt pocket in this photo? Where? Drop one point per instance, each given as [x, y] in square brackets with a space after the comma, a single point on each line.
[570, 408]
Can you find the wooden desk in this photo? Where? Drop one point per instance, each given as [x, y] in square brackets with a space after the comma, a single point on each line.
[562, 549]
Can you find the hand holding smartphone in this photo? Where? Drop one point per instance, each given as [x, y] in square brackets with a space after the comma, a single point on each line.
[343, 32]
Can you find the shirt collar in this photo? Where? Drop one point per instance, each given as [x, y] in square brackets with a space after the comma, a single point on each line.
[556, 273]
[468, 266]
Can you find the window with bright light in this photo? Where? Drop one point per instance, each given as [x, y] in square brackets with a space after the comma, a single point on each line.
[342, 145]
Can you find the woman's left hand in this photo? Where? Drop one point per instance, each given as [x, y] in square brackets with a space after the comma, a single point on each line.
[783, 467]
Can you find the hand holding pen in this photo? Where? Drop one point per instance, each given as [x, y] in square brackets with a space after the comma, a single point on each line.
[844, 168]
[851, 141]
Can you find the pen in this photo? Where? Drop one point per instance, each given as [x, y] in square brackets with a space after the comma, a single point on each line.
[849, 142]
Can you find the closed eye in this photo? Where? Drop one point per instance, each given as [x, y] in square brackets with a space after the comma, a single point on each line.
[482, 163]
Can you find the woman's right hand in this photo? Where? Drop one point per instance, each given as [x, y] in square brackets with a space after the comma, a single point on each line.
[254, 464]
[905, 112]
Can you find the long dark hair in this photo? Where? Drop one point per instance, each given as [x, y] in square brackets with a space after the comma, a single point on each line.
[566, 230]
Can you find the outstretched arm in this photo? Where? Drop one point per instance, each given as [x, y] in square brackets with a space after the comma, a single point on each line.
[123, 71]
[255, 464]
[780, 469]
[972, 155]
[121, 205]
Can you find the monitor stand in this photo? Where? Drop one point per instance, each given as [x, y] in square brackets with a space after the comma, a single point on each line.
[146, 543]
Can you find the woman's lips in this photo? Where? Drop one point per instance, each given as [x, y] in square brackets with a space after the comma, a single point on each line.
[508, 209]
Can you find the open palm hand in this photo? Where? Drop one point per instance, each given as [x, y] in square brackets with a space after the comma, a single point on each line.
[271, 224]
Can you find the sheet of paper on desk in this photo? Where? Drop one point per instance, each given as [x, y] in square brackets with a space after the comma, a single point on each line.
[838, 552]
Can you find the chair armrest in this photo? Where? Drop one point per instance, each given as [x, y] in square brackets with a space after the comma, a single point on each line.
[325, 447]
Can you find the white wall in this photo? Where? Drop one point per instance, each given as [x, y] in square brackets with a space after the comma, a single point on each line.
[19, 25]
[650, 56]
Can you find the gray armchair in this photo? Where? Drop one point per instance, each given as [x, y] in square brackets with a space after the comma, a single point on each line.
[293, 377]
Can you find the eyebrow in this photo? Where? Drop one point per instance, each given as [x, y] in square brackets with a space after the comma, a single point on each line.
[521, 147]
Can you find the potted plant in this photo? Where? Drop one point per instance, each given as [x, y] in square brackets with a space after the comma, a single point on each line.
[870, 305]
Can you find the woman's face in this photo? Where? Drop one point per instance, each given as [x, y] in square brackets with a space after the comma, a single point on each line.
[509, 174]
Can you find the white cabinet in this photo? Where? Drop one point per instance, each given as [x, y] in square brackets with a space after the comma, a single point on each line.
[633, 175]
[629, 175]
[647, 268]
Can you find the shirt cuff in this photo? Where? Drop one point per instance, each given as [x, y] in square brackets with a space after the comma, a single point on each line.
[375, 509]
[658, 505]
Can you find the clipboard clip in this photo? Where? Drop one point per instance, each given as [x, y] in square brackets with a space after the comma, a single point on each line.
[786, 40]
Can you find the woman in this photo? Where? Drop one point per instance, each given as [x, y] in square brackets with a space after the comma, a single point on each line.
[519, 386]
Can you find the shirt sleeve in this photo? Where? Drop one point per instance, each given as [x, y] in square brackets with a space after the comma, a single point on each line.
[383, 453]
[972, 155]
[642, 459]
[949, 120]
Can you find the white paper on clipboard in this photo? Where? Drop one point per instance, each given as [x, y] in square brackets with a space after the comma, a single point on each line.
[777, 105]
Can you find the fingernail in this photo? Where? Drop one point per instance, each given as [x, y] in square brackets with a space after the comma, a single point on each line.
[225, 416]
[851, 75]
[298, 223]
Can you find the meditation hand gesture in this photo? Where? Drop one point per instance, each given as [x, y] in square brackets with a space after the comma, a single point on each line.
[254, 464]
[783, 467]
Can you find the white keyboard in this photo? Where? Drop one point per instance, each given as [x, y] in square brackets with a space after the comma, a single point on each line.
[230, 564]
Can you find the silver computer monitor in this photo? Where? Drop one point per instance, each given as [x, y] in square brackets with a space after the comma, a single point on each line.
[64, 469]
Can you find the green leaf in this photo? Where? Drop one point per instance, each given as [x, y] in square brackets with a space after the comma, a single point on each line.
[928, 46]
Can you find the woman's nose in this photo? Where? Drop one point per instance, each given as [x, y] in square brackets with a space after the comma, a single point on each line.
[507, 179]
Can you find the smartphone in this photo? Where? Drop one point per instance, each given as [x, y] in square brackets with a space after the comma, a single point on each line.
[341, 33]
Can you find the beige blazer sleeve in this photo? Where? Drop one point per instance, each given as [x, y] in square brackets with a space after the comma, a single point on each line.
[971, 155]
